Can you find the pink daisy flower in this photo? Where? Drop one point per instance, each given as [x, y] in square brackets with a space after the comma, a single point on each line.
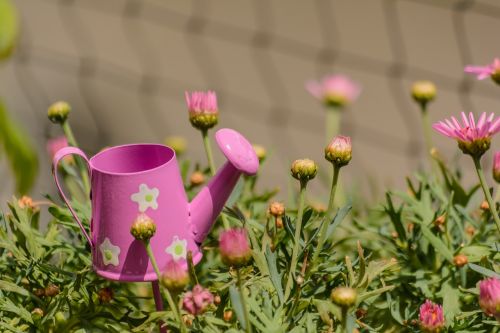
[336, 90]
[473, 138]
[489, 297]
[201, 102]
[482, 72]
[431, 317]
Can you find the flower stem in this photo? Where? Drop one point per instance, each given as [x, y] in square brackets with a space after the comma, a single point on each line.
[211, 164]
[192, 272]
[332, 122]
[427, 130]
[296, 244]
[208, 151]
[328, 216]
[81, 167]
[344, 320]
[170, 300]
[486, 190]
[248, 326]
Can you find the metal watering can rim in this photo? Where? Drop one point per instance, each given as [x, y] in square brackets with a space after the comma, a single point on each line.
[93, 163]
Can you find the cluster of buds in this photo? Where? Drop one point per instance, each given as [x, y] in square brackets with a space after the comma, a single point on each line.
[50, 291]
[203, 109]
[58, 112]
[339, 151]
[27, 202]
[277, 210]
[197, 300]
[304, 170]
[143, 228]
[234, 247]
[423, 92]
[175, 276]
[431, 318]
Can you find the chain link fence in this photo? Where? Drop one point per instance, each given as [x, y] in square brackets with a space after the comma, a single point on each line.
[124, 65]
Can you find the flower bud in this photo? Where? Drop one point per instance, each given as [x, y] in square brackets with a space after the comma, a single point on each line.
[304, 169]
[37, 314]
[105, 295]
[431, 317]
[276, 209]
[27, 202]
[423, 92]
[489, 297]
[496, 167]
[40, 292]
[334, 90]
[460, 260]
[228, 315]
[217, 300]
[187, 320]
[339, 151]
[197, 178]
[470, 230]
[344, 297]
[197, 300]
[143, 228]
[51, 290]
[485, 206]
[177, 143]
[203, 109]
[440, 220]
[58, 112]
[260, 151]
[175, 276]
[234, 247]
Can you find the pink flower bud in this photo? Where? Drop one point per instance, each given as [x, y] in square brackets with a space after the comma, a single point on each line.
[198, 300]
[489, 297]
[234, 247]
[496, 167]
[431, 317]
[175, 275]
[334, 90]
[203, 109]
[339, 151]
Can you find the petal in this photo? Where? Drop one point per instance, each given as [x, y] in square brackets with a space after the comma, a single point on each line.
[457, 124]
[465, 120]
[481, 120]
[471, 121]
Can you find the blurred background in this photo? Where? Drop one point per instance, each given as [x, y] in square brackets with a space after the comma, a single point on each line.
[124, 66]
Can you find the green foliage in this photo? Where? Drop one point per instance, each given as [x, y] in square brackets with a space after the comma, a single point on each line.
[9, 28]
[20, 153]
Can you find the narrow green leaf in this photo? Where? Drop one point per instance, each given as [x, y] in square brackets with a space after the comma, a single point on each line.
[9, 28]
[274, 274]
[237, 306]
[437, 243]
[484, 271]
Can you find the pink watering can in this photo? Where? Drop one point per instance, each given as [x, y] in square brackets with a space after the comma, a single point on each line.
[144, 178]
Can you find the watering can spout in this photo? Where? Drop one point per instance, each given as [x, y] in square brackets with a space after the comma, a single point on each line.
[208, 203]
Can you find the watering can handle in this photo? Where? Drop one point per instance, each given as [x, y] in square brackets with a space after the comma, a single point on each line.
[57, 158]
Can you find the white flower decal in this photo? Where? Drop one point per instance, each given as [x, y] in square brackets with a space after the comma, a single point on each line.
[146, 197]
[178, 248]
[109, 253]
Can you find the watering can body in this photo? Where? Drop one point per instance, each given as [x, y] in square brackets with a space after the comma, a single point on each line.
[130, 180]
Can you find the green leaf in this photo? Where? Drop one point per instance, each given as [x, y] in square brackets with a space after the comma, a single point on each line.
[237, 306]
[437, 243]
[451, 301]
[20, 153]
[274, 274]
[9, 28]
[484, 271]
[12, 287]
[339, 217]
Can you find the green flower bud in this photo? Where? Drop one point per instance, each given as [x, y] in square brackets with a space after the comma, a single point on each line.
[37, 314]
[344, 296]
[260, 152]
[475, 148]
[423, 92]
[177, 143]
[143, 228]
[304, 169]
[58, 112]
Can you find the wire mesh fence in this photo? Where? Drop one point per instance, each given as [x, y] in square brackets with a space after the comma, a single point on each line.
[124, 64]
